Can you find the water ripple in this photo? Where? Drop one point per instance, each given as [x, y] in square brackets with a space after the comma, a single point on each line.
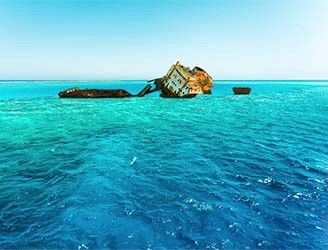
[212, 172]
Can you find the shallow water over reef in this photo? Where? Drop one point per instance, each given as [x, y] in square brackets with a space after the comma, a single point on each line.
[218, 172]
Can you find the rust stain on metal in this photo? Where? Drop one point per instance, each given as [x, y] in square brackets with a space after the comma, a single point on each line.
[181, 81]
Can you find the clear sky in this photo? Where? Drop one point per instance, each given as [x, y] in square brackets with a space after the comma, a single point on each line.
[140, 39]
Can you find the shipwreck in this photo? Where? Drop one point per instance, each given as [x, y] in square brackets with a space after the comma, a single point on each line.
[179, 82]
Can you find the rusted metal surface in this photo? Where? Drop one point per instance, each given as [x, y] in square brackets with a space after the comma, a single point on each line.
[181, 81]
[105, 93]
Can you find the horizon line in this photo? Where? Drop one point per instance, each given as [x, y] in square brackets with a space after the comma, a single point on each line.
[225, 80]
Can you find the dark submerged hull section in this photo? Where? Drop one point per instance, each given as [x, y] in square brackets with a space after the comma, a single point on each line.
[165, 92]
[94, 93]
[179, 97]
[105, 93]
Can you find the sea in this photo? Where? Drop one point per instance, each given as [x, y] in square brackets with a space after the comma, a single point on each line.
[214, 172]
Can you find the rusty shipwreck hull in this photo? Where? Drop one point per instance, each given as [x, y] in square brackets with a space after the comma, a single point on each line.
[94, 93]
[105, 93]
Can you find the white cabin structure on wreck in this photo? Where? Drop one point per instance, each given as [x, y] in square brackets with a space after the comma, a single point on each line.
[182, 81]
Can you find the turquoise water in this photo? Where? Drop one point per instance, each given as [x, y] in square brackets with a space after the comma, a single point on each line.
[217, 172]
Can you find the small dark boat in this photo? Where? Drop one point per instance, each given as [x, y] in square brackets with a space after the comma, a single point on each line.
[242, 90]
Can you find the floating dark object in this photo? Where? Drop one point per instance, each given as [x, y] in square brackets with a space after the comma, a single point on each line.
[242, 90]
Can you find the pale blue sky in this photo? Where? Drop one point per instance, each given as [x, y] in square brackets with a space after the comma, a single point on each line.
[140, 39]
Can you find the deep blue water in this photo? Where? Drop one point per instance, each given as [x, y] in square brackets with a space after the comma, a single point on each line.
[216, 172]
